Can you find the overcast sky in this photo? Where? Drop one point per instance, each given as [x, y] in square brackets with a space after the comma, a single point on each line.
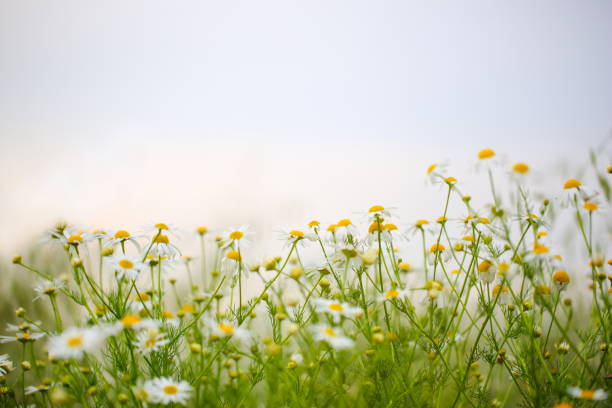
[274, 112]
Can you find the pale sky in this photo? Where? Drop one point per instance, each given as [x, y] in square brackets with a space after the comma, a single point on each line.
[275, 112]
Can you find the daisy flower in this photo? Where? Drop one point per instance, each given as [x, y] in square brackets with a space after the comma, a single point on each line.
[76, 341]
[6, 365]
[131, 321]
[561, 279]
[162, 228]
[23, 334]
[164, 390]
[345, 228]
[150, 340]
[335, 309]
[393, 294]
[379, 212]
[225, 328]
[487, 271]
[161, 247]
[121, 236]
[332, 336]
[31, 389]
[593, 395]
[438, 251]
[240, 236]
[127, 267]
[502, 294]
[291, 236]
[74, 237]
[49, 287]
[436, 172]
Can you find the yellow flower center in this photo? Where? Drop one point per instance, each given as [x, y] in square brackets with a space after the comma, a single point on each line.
[236, 235]
[75, 238]
[296, 233]
[188, 308]
[440, 220]
[170, 389]
[561, 277]
[332, 228]
[161, 239]
[390, 227]
[587, 394]
[437, 248]
[572, 183]
[330, 332]
[420, 223]
[130, 320]
[75, 341]
[373, 227]
[234, 256]
[162, 226]
[122, 234]
[392, 294]
[431, 168]
[486, 154]
[376, 208]
[590, 206]
[497, 288]
[228, 329]
[484, 266]
[336, 307]
[126, 264]
[167, 314]
[405, 266]
[151, 342]
[26, 335]
[520, 168]
[468, 238]
[450, 180]
[202, 230]
[344, 222]
[313, 223]
[540, 249]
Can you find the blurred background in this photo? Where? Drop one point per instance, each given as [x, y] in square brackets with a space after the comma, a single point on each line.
[270, 113]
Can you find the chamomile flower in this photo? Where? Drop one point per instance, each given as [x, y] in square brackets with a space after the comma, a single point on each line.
[150, 340]
[487, 158]
[336, 309]
[520, 168]
[333, 336]
[74, 237]
[487, 271]
[345, 228]
[162, 247]
[421, 225]
[135, 322]
[164, 390]
[241, 236]
[33, 389]
[120, 237]
[502, 293]
[585, 394]
[74, 342]
[436, 172]
[379, 212]
[23, 334]
[561, 279]
[127, 267]
[163, 228]
[393, 294]
[225, 328]
[6, 365]
[438, 253]
[291, 236]
[49, 287]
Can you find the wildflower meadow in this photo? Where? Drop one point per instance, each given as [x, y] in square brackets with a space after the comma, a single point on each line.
[480, 307]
